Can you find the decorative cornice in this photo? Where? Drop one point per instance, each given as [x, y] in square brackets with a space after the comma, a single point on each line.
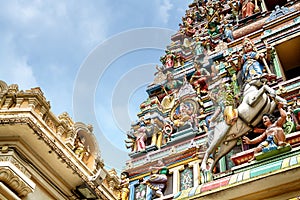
[51, 143]
[13, 180]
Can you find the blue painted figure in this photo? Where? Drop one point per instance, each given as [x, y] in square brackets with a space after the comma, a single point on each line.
[251, 62]
[273, 136]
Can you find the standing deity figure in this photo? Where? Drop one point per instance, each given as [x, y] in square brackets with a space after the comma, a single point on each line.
[141, 136]
[251, 62]
[249, 8]
[124, 186]
[235, 7]
[198, 49]
[296, 118]
[79, 147]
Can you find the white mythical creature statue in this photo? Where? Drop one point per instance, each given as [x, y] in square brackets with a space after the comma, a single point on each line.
[258, 98]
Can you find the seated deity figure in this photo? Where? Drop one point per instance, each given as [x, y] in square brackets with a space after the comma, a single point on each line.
[158, 179]
[199, 79]
[183, 116]
[171, 88]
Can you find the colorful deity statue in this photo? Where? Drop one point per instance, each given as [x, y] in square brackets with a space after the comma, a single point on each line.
[208, 44]
[227, 33]
[171, 60]
[170, 88]
[141, 136]
[168, 60]
[249, 8]
[124, 186]
[188, 25]
[289, 125]
[80, 148]
[213, 10]
[199, 79]
[158, 179]
[251, 62]
[235, 8]
[296, 118]
[198, 49]
[183, 116]
[273, 136]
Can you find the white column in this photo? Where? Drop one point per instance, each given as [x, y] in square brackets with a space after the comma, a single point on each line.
[176, 178]
[196, 171]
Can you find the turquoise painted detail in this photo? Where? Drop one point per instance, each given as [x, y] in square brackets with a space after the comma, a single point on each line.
[266, 169]
[193, 191]
[293, 161]
[177, 195]
[222, 164]
[267, 32]
[132, 189]
[297, 19]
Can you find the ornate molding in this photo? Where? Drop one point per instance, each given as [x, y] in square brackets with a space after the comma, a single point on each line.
[16, 163]
[51, 143]
[13, 180]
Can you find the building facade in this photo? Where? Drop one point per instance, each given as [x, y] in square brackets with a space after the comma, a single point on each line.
[43, 156]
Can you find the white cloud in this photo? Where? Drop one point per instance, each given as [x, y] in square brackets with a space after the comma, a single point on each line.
[22, 74]
[164, 8]
[15, 69]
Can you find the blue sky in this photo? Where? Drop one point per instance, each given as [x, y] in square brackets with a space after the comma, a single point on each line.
[91, 59]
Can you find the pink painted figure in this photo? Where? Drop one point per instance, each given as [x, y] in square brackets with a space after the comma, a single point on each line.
[247, 8]
[141, 137]
[169, 61]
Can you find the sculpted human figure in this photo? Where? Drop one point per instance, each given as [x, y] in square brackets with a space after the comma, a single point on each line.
[251, 62]
[171, 88]
[248, 8]
[199, 79]
[296, 118]
[79, 147]
[198, 49]
[235, 7]
[188, 23]
[273, 136]
[124, 186]
[168, 60]
[184, 115]
[141, 136]
[158, 179]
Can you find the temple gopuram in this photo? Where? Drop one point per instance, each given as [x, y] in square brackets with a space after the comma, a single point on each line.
[222, 117]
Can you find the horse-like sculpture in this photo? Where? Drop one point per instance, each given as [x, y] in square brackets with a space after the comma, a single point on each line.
[258, 98]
